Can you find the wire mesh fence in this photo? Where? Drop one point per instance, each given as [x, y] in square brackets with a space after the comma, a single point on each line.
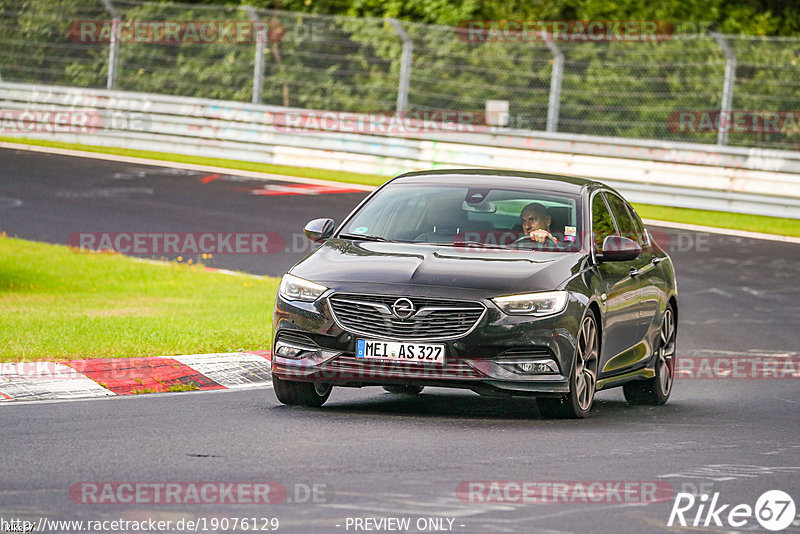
[665, 89]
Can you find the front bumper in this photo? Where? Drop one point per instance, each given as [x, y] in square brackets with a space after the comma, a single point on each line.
[471, 361]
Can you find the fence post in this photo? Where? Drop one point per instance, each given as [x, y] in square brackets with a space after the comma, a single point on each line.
[258, 64]
[405, 66]
[554, 103]
[727, 88]
[113, 47]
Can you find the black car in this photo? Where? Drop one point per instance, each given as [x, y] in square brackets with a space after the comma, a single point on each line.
[431, 281]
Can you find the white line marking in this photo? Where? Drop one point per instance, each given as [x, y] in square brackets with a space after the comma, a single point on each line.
[6, 203]
[127, 398]
[787, 400]
[751, 291]
[716, 291]
[208, 269]
[587, 509]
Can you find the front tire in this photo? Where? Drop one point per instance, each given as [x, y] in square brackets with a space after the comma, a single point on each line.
[583, 379]
[311, 394]
[655, 391]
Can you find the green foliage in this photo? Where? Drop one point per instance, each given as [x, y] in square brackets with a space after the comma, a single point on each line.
[326, 58]
[204, 69]
[35, 46]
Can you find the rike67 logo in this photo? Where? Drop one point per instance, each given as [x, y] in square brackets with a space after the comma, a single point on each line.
[774, 510]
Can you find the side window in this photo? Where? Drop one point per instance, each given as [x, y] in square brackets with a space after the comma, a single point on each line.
[637, 223]
[602, 224]
[622, 216]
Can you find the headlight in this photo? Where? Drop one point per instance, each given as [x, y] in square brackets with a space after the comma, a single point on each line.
[295, 288]
[538, 304]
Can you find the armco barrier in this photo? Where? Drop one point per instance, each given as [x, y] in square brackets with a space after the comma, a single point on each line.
[675, 174]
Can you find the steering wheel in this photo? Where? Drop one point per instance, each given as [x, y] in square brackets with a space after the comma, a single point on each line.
[547, 243]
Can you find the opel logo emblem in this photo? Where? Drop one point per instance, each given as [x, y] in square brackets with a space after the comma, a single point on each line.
[403, 308]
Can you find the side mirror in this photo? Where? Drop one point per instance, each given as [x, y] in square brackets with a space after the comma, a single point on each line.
[618, 248]
[319, 229]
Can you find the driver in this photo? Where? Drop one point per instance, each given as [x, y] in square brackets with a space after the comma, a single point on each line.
[536, 222]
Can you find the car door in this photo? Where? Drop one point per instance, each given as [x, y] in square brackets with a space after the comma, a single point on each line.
[620, 290]
[653, 291]
[642, 268]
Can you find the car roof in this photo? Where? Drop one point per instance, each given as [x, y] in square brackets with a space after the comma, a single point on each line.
[494, 177]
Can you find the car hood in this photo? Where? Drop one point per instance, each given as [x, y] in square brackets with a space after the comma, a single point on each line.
[342, 260]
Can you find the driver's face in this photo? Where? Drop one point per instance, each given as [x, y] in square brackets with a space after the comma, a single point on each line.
[534, 220]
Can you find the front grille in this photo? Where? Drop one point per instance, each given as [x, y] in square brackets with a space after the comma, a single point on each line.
[432, 319]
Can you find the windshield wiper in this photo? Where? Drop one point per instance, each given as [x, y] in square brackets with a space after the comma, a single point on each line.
[364, 237]
[474, 244]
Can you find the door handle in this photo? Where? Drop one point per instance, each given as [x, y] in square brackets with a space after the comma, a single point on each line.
[651, 265]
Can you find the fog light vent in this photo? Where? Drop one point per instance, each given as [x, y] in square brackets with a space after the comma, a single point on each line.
[539, 366]
[294, 345]
[295, 338]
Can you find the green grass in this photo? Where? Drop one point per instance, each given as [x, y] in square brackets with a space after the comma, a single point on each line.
[57, 304]
[719, 219]
[183, 387]
[722, 219]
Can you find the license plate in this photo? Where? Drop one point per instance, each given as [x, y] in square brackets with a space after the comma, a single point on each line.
[399, 352]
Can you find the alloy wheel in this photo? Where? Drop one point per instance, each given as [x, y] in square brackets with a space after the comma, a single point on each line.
[666, 352]
[586, 364]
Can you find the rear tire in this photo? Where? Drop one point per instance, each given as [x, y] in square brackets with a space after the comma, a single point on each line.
[583, 380]
[311, 394]
[404, 390]
[655, 391]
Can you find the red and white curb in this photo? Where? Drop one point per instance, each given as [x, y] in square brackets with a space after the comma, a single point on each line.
[272, 190]
[103, 377]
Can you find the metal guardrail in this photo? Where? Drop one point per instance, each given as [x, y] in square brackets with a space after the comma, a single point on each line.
[674, 174]
[676, 81]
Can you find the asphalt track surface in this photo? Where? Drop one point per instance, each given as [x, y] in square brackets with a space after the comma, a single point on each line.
[373, 455]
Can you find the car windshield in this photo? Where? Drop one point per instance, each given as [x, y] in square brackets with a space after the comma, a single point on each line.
[467, 216]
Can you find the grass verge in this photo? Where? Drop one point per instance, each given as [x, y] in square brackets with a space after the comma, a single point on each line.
[722, 219]
[718, 219]
[57, 304]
